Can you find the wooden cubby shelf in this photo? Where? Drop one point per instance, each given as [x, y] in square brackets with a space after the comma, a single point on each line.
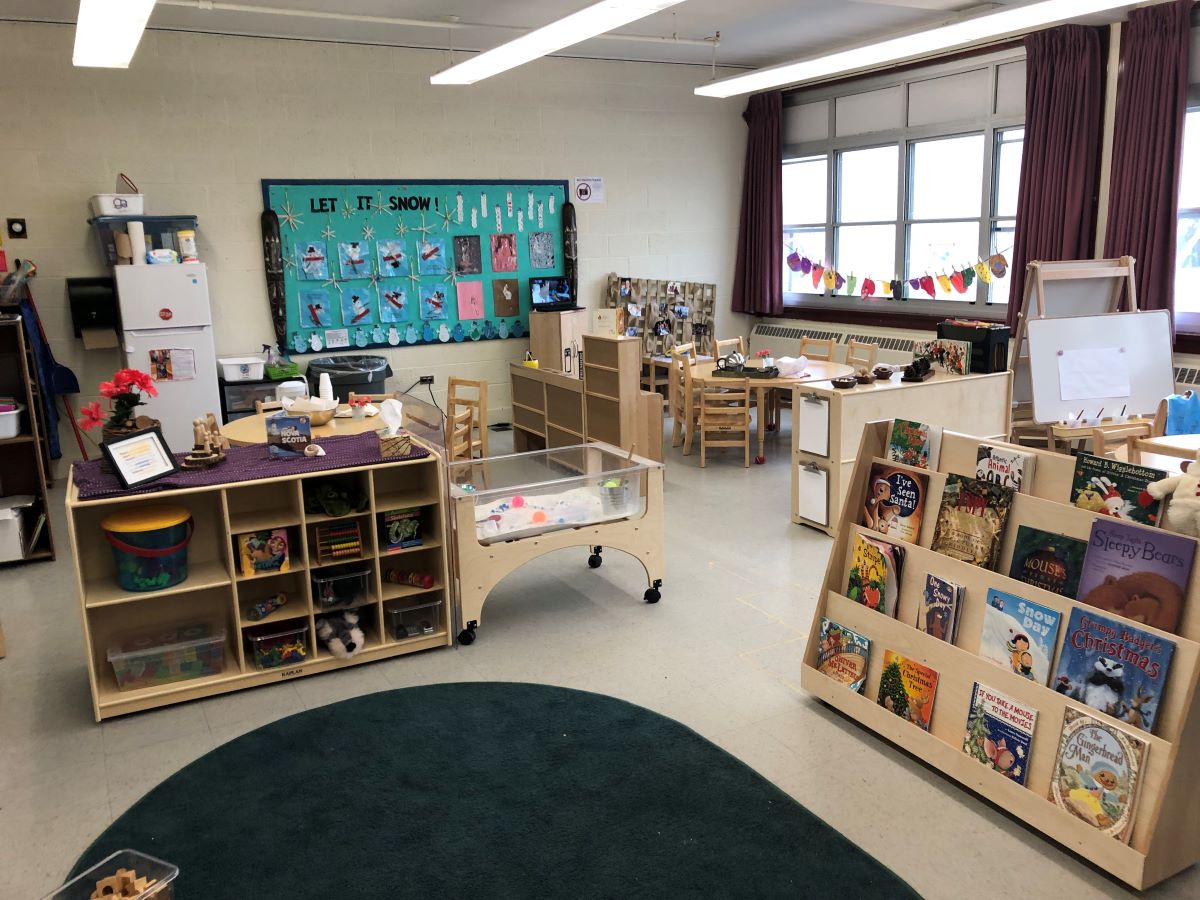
[216, 592]
[1166, 831]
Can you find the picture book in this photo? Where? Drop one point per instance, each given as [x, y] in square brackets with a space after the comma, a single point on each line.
[1114, 666]
[1005, 466]
[264, 552]
[950, 356]
[843, 654]
[1052, 562]
[1139, 573]
[875, 569]
[288, 436]
[914, 444]
[1114, 488]
[938, 614]
[1019, 635]
[999, 732]
[1096, 773]
[895, 502]
[402, 529]
[970, 522]
[907, 688]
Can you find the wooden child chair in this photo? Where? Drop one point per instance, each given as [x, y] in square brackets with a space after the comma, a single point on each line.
[729, 345]
[725, 417]
[861, 354]
[262, 406]
[465, 393]
[458, 434]
[684, 408]
[817, 349]
[372, 398]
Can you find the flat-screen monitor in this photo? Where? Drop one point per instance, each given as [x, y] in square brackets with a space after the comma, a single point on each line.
[551, 294]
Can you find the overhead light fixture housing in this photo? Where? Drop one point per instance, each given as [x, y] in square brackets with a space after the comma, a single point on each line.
[990, 26]
[587, 23]
[108, 31]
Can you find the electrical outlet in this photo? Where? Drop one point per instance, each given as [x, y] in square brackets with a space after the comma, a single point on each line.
[426, 379]
[16, 228]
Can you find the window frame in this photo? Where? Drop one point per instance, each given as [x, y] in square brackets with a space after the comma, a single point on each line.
[1187, 324]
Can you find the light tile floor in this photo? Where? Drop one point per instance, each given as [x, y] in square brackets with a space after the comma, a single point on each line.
[720, 653]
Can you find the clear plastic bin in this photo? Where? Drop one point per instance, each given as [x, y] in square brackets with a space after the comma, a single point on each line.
[338, 590]
[165, 654]
[86, 885]
[532, 493]
[271, 647]
[403, 622]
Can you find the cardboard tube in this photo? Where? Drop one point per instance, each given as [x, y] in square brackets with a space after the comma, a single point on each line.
[137, 242]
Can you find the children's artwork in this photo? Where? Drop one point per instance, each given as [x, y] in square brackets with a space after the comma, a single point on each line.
[505, 297]
[468, 258]
[433, 302]
[312, 264]
[356, 308]
[393, 305]
[541, 250]
[470, 299]
[314, 309]
[352, 259]
[431, 256]
[504, 253]
[1096, 773]
[393, 259]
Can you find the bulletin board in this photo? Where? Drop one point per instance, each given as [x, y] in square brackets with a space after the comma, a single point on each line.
[398, 263]
[664, 313]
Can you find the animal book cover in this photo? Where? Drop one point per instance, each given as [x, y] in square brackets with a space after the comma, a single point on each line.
[938, 615]
[908, 688]
[895, 502]
[999, 732]
[1019, 635]
[875, 570]
[1052, 562]
[914, 444]
[970, 523]
[1005, 466]
[1139, 573]
[1114, 488]
[843, 654]
[1115, 667]
[1096, 773]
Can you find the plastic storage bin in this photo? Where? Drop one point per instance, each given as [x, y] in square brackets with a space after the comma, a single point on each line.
[118, 204]
[272, 648]
[149, 545]
[242, 368]
[166, 654]
[403, 622]
[10, 422]
[86, 885]
[337, 590]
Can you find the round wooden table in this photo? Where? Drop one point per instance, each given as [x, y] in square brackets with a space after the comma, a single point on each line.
[253, 429]
[817, 371]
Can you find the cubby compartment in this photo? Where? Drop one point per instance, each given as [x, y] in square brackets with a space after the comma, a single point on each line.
[261, 507]
[332, 542]
[403, 620]
[266, 553]
[416, 484]
[368, 624]
[260, 598]
[335, 496]
[410, 574]
[343, 587]
[408, 529]
[281, 644]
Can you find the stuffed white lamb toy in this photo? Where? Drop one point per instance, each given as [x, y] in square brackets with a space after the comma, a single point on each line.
[1183, 510]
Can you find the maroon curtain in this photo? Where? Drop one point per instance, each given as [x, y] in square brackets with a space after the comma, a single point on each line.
[758, 274]
[1060, 162]
[1144, 187]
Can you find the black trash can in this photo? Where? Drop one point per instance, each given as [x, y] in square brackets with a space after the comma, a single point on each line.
[360, 374]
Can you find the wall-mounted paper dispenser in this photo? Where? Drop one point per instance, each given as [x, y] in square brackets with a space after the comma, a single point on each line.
[93, 304]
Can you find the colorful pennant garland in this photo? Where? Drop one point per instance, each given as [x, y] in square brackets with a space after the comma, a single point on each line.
[958, 280]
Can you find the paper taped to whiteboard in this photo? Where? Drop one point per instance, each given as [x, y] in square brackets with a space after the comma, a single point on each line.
[1100, 373]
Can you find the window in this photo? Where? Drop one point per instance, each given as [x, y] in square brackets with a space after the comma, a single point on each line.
[805, 185]
[1006, 181]
[1187, 235]
[865, 225]
[945, 178]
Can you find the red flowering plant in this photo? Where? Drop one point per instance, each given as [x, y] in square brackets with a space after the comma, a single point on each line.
[124, 395]
[763, 354]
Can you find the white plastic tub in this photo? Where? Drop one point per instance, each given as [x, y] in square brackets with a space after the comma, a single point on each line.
[119, 204]
[10, 422]
[242, 368]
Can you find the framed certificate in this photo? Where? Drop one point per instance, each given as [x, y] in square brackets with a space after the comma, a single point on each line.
[140, 458]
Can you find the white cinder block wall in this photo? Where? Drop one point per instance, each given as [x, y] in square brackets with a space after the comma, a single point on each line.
[197, 120]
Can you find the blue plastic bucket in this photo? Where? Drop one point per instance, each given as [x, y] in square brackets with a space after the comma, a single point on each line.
[150, 546]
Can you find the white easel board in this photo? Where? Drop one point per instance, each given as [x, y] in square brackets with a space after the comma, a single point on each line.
[1092, 363]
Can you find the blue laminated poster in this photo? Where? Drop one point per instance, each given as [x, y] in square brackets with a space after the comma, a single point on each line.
[288, 436]
[1019, 635]
[999, 732]
[314, 309]
[393, 259]
[393, 305]
[433, 302]
[312, 263]
[353, 261]
[843, 655]
[1114, 666]
[356, 307]
[431, 256]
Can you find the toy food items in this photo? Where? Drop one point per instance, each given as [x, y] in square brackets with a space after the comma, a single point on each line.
[264, 552]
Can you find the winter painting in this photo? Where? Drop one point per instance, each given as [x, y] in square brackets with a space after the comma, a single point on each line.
[312, 264]
[393, 305]
[431, 256]
[352, 260]
[541, 250]
[468, 258]
[393, 260]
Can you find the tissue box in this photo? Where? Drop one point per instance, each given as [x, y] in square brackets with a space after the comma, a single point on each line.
[394, 445]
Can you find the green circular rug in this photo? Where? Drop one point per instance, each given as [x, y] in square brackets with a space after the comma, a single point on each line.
[485, 790]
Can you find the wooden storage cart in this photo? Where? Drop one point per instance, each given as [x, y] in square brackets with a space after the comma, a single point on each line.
[216, 590]
[1166, 832]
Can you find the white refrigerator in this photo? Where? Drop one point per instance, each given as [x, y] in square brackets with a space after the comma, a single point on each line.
[166, 323]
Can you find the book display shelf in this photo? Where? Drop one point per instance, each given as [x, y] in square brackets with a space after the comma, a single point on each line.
[326, 572]
[1165, 838]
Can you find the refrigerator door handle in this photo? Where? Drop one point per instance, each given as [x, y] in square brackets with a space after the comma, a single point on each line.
[150, 332]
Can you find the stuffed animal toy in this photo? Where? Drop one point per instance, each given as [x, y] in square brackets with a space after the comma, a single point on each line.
[1183, 509]
[341, 634]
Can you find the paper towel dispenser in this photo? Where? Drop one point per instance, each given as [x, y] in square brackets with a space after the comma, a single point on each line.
[93, 303]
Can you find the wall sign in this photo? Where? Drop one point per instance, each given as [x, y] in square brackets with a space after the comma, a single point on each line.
[589, 190]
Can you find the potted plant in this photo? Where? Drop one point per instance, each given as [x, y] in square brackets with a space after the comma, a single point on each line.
[358, 408]
[124, 395]
[766, 360]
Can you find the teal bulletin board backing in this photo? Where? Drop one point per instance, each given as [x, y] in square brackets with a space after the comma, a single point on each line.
[401, 263]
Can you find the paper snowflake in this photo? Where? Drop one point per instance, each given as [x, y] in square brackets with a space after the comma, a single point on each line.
[413, 275]
[401, 228]
[347, 209]
[327, 232]
[289, 258]
[424, 229]
[451, 276]
[379, 208]
[288, 215]
[447, 212]
[332, 282]
[368, 232]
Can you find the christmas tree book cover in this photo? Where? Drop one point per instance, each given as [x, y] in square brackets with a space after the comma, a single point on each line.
[914, 444]
[1097, 772]
[895, 502]
[875, 569]
[1005, 466]
[1114, 666]
[1019, 635]
[843, 654]
[1052, 562]
[971, 518]
[999, 732]
[907, 688]
[938, 615]
[1114, 488]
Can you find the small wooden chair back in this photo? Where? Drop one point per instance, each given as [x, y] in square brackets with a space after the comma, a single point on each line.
[262, 406]
[463, 392]
[725, 417]
[681, 396]
[372, 398]
[458, 434]
[729, 345]
[1120, 442]
[817, 349]
[861, 353]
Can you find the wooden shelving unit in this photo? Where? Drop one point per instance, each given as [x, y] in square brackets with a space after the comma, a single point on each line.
[1166, 832]
[215, 590]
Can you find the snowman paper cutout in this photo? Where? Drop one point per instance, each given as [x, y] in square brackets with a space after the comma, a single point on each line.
[299, 344]
[377, 335]
[314, 341]
[360, 338]
[427, 333]
[393, 336]
[518, 330]
[475, 333]
[503, 329]
[443, 333]
[489, 330]
[457, 333]
[410, 334]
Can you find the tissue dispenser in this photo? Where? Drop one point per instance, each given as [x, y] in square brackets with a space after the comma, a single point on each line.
[93, 303]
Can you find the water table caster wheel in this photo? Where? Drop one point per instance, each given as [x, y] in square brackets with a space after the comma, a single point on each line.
[653, 595]
[595, 559]
[466, 637]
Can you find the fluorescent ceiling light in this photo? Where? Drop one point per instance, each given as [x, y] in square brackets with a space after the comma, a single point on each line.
[587, 23]
[108, 32]
[990, 26]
